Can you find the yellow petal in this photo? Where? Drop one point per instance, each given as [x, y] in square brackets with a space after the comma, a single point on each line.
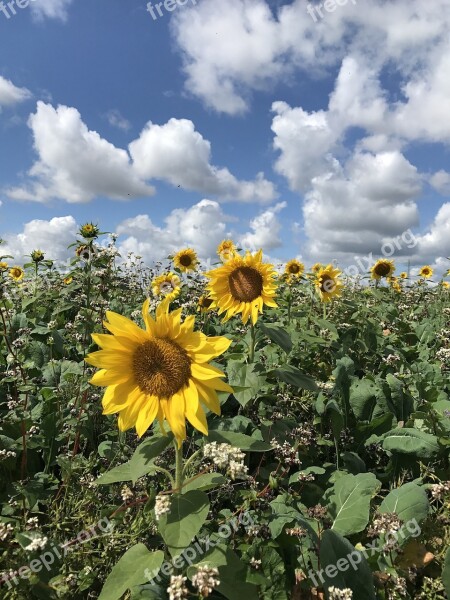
[109, 377]
[205, 372]
[194, 412]
[147, 415]
[217, 384]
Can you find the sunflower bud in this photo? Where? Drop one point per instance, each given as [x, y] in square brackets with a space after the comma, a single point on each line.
[89, 231]
[37, 256]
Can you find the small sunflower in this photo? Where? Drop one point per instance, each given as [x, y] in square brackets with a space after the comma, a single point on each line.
[226, 250]
[3, 265]
[186, 260]
[158, 373]
[328, 283]
[17, 273]
[403, 275]
[382, 268]
[37, 256]
[243, 285]
[426, 272]
[397, 287]
[204, 303]
[68, 280]
[317, 267]
[294, 269]
[167, 285]
[446, 285]
[89, 231]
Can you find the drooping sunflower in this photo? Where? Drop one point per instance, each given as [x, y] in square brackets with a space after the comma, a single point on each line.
[158, 373]
[226, 250]
[243, 285]
[17, 273]
[186, 260]
[167, 285]
[294, 269]
[204, 303]
[37, 256]
[382, 268]
[426, 272]
[328, 283]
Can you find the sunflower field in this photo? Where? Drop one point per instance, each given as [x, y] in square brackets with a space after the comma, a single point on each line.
[243, 432]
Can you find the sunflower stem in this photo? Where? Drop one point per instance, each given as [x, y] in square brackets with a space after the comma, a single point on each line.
[178, 466]
[190, 460]
[324, 310]
[252, 343]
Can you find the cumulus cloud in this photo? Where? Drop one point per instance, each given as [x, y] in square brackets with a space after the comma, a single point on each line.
[265, 230]
[77, 165]
[10, 94]
[435, 242]
[50, 9]
[52, 237]
[440, 181]
[178, 154]
[116, 119]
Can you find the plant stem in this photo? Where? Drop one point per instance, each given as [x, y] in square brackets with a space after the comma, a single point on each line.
[251, 355]
[191, 459]
[324, 310]
[178, 466]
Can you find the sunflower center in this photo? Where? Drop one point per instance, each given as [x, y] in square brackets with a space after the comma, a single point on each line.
[294, 269]
[206, 302]
[161, 367]
[246, 284]
[327, 284]
[185, 260]
[383, 269]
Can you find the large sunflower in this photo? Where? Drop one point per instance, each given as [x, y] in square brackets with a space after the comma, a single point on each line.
[186, 260]
[328, 283]
[243, 285]
[294, 269]
[382, 268]
[160, 372]
[426, 272]
[167, 285]
[226, 250]
[17, 273]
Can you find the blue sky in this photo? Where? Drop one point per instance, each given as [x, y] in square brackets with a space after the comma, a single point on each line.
[343, 118]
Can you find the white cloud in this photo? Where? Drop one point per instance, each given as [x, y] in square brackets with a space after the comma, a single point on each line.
[440, 181]
[50, 9]
[436, 241]
[177, 153]
[52, 237]
[10, 94]
[76, 164]
[265, 232]
[116, 119]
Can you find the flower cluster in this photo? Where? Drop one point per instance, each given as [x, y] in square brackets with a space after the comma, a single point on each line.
[385, 523]
[205, 580]
[162, 505]
[285, 453]
[225, 456]
[335, 593]
[177, 589]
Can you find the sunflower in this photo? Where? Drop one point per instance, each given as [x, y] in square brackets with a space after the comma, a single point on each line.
[294, 269]
[243, 285]
[160, 372]
[89, 231]
[68, 280]
[204, 303]
[167, 285]
[186, 260]
[316, 267]
[404, 275]
[226, 250]
[17, 273]
[397, 287]
[426, 272]
[3, 265]
[328, 283]
[446, 285]
[382, 268]
[37, 256]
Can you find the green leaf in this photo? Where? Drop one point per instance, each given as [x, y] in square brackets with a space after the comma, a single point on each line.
[239, 440]
[363, 398]
[349, 502]
[446, 572]
[411, 441]
[131, 571]
[278, 335]
[140, 463]
[204, 482]
[293, 376]
[409, 502]
[188, 513]
[342, 566]
[401, 403]
[246, 378]
[336, 417]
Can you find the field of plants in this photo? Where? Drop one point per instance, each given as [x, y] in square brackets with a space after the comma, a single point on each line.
[243, 433]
